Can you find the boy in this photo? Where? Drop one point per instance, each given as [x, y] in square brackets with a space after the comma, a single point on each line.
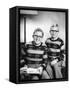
[55, 57]
[35, 58]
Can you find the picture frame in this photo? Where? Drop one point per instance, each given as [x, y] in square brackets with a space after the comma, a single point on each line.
[19, 16]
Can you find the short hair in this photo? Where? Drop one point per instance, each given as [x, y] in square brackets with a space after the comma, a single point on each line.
[55, 25]
[38, 30]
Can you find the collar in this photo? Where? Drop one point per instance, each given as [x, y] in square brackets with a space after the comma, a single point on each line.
[36, 45]
[54, 39]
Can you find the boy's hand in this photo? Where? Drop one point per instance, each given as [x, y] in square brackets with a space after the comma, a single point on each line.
[44, 66]
[63, 64]
[54, 61]
[23, 69]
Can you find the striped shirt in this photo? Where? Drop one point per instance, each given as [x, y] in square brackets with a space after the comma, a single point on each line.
[54, 47]
[34, 55]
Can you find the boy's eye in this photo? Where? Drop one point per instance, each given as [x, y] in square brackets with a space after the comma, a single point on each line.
[37, 36]
[54, 30]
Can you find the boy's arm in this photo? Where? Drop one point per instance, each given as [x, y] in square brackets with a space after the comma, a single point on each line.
[63, 56]
[45, 56]
[47, 41]
[23, 53]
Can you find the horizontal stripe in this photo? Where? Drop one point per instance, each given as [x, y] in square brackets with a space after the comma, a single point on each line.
[33, 59]
[35, 51]
[54, 50]
[36, 48]
[53, 53]
[55, 46]
[34, 55]
[54, 57]
[33, 62]
[54, 42]
[29, 46]
[34, 65]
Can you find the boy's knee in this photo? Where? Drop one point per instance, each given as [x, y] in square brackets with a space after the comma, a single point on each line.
[45, 75]
[35, 78]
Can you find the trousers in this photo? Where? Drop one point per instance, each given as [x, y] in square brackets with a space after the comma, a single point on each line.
[56, 68]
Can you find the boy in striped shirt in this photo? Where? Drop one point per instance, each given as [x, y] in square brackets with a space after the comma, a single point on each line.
[55, 45]
[35, 56]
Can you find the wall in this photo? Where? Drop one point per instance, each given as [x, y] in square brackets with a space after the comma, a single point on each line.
[43, 20]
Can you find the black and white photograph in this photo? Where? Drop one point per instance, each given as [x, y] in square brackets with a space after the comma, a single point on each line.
[34, 48]
[43, 45]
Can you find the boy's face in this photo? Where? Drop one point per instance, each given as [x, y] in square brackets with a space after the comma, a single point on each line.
[37, 37]
[54, 32]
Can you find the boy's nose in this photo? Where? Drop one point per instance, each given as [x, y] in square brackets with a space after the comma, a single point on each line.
[36, 38]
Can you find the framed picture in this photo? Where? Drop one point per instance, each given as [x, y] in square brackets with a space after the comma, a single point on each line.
[38, 44]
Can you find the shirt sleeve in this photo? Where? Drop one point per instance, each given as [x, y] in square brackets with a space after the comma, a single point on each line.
[45, 56]
[62, 42]
[46, 42]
